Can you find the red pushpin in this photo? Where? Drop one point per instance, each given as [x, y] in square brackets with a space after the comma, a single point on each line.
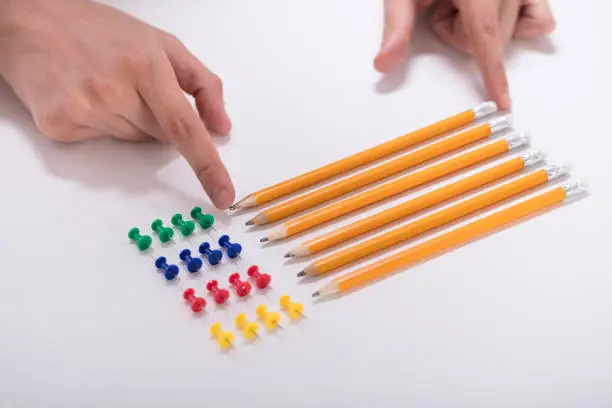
[262, 280]
[220, 295]
[197, 303]
[242, 288]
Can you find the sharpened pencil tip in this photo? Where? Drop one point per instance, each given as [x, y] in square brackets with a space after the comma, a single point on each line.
[249, 222]
[289, 255]
[316, 294]
[301, 273]
[233, 207]
[264, 239]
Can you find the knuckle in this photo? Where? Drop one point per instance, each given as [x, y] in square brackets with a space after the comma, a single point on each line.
[55, 124]
[136, 63]
[100, 90]
[216, 82]
[549, 25]
[205, 171]
[489, 27]
[181, 130]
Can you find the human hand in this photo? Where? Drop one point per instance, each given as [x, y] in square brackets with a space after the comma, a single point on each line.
[86, 70]
[482, 28]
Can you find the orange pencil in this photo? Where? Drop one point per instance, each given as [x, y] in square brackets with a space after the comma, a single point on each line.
[434, 220]
[454, 238]
[420, 203]
[380, 172]
[367, 156]
[397, 186]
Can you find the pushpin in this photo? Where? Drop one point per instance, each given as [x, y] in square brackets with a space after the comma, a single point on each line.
[233, 250]
[186, 227]
[193, 264]
[224, 339]
[143, 242]
[262, 280]
[243, 288]
[170, 271]
[197, 303]
[164, 234]
[249, 329]
[270, 319]
[220, 295]
[294, 309]
[213, 256]
[206, 221]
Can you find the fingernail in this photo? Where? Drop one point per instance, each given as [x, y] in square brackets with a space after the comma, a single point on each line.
[223, 198]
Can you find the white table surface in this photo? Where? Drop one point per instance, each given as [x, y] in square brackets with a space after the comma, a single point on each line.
[519, 319]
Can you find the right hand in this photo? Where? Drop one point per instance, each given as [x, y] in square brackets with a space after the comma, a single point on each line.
[86, 70]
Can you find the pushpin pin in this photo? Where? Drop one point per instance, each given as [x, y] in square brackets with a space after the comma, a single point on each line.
[213, 256]
[262, 280]
[243, 288]
[294, 309]
[270, 319]
[224, 339]
[143, 242]
[193, 264]
[186, 227]
[197, 303]
[164, 234]
[249, 329]
[206, 221]
[170, 271]
[233, 250]
[220, 295]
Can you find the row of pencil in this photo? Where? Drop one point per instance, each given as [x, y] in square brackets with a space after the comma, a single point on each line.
[405, 183]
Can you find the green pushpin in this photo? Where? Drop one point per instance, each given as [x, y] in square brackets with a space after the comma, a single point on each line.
[186, 227]
[206, 221]
[165, 234]
[143, 242]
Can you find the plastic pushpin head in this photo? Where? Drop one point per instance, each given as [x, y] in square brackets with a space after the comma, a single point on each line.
[224, 339]
[233, 249]
[213, 256]
[243, 288]
[262, 280]
[193, 264]
[165, 234]
[220, 295]
[186, 227]
[249, 329]
[197, 303]
[295, 310]
[143, 242]
[170, 271]
[205, 220]
[270, 319]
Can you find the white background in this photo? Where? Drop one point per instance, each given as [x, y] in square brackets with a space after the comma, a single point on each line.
[519, 319]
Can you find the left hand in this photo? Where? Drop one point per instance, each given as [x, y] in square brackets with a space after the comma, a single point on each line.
[482, 28]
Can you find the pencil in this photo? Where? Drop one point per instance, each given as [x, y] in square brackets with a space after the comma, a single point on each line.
[449, 240]
[367, 156]
[397, 186]
[434, 220]
[422, 202]
[380, 172]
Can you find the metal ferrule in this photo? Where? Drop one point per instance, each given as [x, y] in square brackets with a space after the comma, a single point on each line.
[500, 123]
[554, 171]
[574, 188]
[532, 157]
[484, 109]
[517, 139]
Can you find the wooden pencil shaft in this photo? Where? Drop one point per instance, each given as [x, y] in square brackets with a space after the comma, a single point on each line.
[377, 173]
[413, 206]
[372, 154]
[427, 223]
[395, 187]
[449, 240]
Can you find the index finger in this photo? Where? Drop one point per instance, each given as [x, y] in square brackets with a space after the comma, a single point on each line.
[161, 91]
[481, 20]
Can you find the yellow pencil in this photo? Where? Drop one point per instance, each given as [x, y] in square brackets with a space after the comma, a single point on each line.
[454, 238]
[413, 206]
[381, 171]
[367, 156]
[398, 186]
[434, 220]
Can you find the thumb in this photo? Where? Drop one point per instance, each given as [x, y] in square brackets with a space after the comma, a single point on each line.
[399, 23]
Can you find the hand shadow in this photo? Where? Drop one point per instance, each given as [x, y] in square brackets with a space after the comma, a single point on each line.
[98, 164]
[425, 42]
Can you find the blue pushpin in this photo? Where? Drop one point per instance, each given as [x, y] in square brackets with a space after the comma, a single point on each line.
[193, 264]
[170, 271]
[233, 250]
[213, 256]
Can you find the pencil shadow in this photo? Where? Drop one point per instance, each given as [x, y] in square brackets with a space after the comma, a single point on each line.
[131, 168]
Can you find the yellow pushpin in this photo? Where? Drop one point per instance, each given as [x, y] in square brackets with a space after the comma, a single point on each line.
[295, 310]
[270, 319]
[224, 338]
[249, 329]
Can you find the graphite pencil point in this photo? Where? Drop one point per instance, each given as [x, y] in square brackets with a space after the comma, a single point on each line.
[316, 294]
[249, 222]
[300, 274]
[264, 239]
[289, 255]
